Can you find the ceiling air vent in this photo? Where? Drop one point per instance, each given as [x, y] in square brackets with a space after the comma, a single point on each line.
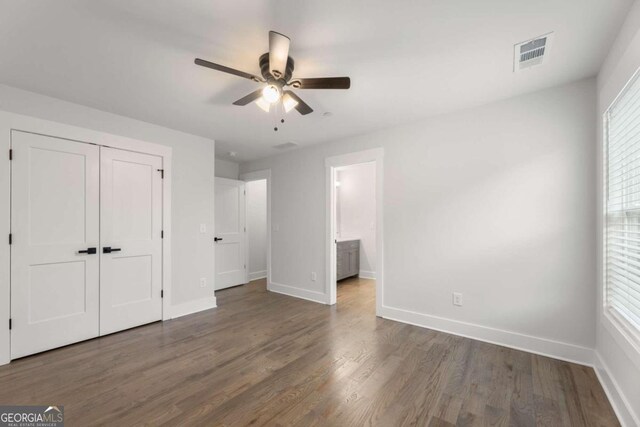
[285, 146]
[532, 52]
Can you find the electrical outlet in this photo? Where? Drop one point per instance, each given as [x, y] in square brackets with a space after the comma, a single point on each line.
[457, 298]
[203, 228]
[203, 282]
[276, 227]
[313, 276]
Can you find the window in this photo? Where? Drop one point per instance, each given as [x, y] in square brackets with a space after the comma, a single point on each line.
[622, 187]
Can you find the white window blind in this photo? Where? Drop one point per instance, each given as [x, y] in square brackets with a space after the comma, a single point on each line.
[622, 134]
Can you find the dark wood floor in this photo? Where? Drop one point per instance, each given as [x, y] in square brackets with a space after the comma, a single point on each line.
[266, 359]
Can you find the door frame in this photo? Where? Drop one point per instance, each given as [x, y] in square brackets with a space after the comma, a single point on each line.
[332, 164]
[12, 121]
[258, 176]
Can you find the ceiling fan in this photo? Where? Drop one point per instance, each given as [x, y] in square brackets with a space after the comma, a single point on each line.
[276, 67]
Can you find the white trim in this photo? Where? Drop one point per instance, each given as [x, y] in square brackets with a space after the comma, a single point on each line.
[622, 90]
[620, 404]
[622, 333]
[5, 229]
[543, 346]
[256, 275]
[11, 121]
[367, 274]
[292, 291]
[166, 237]
[331, 164]
[257, 176]
[194, 306]
[626, 334]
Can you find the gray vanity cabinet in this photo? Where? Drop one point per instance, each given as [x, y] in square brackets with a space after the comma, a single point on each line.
[348, 257]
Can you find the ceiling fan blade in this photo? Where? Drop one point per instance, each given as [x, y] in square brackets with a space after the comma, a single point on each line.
[322, 83]
[228, 70]
[302, 107]
[278, 53]
[249, 98]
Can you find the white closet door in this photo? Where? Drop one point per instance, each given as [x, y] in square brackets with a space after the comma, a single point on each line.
[229, 240]
[131, 245]
[54, 216]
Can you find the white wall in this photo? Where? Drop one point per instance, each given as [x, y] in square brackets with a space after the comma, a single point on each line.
[257, 228]
[192, 185]
[495, 202]
[619, 360]
[356, 211]
[227, 169]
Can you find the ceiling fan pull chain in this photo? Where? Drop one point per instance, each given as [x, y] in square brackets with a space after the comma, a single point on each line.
[276, 113]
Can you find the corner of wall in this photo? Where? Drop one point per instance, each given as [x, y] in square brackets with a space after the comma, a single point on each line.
[226, 169]
[292, 291]
[620, 404]
[191, 307]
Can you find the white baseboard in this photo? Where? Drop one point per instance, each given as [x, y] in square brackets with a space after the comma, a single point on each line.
[257, 275]
[367, 274]
[298, 292]
[620, 404]
[545, 347]
[191, 307]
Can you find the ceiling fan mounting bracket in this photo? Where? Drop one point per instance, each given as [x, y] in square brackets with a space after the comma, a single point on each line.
[264, 69]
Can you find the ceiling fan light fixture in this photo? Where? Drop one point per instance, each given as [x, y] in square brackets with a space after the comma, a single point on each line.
[264, 105]
[271, 94]
[276, 68]
[288, 102]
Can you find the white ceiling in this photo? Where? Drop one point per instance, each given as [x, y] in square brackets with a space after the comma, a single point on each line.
[406, 59]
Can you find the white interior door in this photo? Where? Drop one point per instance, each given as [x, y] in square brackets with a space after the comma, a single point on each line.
[54, 216]
[230, 233]
[131, 243]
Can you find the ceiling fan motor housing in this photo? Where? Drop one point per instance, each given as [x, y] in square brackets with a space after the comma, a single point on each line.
[264, 69]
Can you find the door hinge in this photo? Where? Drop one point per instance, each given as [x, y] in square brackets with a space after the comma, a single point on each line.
[10, 324]
[245, 266]
[161, 173]
[10, 154]
[162, 234]
[10, 238]
[162, 293]
[245, 229]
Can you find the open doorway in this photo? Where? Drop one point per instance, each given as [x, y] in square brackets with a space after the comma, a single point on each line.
[354, 232]
[256, 203]
[258, 220]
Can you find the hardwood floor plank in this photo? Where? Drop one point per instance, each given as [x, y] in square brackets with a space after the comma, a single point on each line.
[547, 412]
[448, 408]
[267, 359]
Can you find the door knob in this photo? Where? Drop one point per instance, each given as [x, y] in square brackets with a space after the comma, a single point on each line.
[109, 249]
[217, 239]
[88, 251]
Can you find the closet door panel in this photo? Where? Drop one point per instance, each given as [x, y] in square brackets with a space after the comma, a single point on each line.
[131, 245]
[54, 223]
